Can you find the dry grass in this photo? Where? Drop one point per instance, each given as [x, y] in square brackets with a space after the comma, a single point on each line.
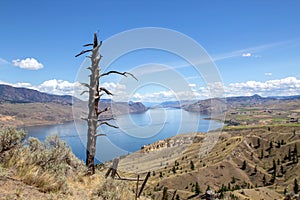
[222, 163]
[112, 189]
[36, 170]
[44, 165]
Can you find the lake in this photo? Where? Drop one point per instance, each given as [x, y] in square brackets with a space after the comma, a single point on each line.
[135, 130]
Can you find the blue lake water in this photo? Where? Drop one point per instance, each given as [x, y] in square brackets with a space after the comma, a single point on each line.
[135, 130]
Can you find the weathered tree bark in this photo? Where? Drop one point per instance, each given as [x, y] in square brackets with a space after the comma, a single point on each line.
[93, 104]
[95, 92]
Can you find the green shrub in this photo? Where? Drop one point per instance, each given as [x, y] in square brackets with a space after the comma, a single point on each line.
[44, 165]
[10, 137]
[2, 172]
[114, 189]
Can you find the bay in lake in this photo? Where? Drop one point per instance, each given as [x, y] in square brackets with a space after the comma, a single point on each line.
[135, 130]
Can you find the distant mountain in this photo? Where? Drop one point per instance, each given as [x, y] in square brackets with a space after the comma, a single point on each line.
[168, 104]
[287, 97]
[27, 107]
[150, 104]
[207, 106]
[9, 94]
[217, 104]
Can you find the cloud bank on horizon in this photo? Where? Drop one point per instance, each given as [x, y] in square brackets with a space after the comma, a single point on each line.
[279, 87]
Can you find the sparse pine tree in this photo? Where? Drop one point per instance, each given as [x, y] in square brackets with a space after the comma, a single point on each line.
[295, 154]
[153, 173]
[177, 197]
[165, 194]
[274, 171]
[258, 142]
[274, 165]
[221, 196]
[278, 144]
[233, 180]
[278, 161]
[192, 165]
[208, 188]
[237, 187]
[197, 188]
[264, 180]
[262, 154]
[296, 186]
[244, 165]
[255, 169]
[290, 154]
[174, 169]
[281, 169]
[270, 151]
[271, 145]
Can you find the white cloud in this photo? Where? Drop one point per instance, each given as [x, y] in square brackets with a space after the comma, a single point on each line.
[28, 63]
[59, 87]
[113, 86]
[268, 74]
[279, 87]
[53, 86]
[155, 96]
[21, 84]
[246, 55]
[192, 85]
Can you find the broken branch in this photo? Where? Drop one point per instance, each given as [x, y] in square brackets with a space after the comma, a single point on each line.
[108, 124]
[100, 134]
[86, 85]
[83, 52]
[105, 90]
[104, 110]
[86, 45]
[83, 92]
[120, 73]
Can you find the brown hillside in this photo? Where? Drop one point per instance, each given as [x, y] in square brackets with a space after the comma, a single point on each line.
[223, 164]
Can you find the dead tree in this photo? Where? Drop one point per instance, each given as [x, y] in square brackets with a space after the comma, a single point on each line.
[95, 93]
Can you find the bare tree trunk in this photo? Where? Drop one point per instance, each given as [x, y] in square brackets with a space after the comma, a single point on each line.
[95, 92]
[93, 107]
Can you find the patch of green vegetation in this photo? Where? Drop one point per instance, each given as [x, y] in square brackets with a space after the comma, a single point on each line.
[290, 125]
[247, 127]
[247, 109]
[279, 119]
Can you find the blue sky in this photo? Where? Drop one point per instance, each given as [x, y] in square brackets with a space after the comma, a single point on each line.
[254, 44]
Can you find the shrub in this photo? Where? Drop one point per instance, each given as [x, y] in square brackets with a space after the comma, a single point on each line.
[2, 172]
[10, 137]
[44, 165]
[114, 189]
